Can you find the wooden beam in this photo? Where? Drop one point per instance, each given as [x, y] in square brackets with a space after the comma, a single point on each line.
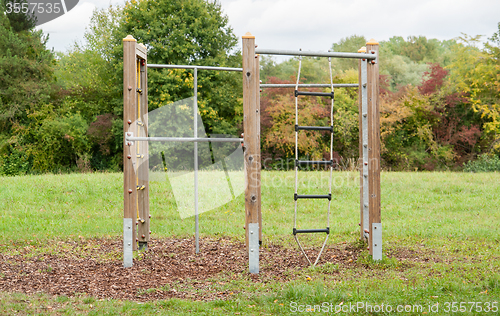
[373, 138]
[251, 136]
[129, 116]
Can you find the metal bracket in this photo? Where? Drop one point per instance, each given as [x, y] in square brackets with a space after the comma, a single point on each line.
[127, 139]
[253, 247]
[377, 241]
[141, 51]
[128, 252]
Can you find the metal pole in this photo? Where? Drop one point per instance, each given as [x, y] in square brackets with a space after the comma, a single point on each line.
[309, 85]
[364, 132]
[314, 54]
[195, 116]
[195, 67]
[130, 138]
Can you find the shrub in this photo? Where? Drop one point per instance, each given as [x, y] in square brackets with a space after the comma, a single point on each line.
[16, 163]
[484, 163]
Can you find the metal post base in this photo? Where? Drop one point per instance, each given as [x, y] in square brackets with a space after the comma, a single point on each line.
[128, 252]
[253, 247]
[377, 241]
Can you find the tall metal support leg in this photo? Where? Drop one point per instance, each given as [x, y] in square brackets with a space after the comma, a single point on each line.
[369, 150]
[257, 118]
[195, 116]
[142, 151]
[365, 222]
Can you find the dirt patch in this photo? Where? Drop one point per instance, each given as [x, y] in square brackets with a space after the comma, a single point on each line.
[94, 267]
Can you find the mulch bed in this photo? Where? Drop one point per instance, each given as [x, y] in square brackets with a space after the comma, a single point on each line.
[94, 267]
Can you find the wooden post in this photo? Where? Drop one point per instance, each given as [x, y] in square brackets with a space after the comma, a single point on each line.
[373, 139]
[129, 116]
[142, 158]
[135, 154]
[251, 148]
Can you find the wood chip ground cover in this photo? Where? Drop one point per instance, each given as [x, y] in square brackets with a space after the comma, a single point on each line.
[169, 268]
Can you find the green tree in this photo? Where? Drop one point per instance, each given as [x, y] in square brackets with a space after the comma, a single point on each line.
[89, 70]
[401, 71]
[91, 77]
[175, 32]
[26, 86]
[26, 71]
[417, 48]
[191, 32]
[404, 62]
[349, 44]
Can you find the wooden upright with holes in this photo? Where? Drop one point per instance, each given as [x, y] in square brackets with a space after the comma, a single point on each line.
[251, 124]
[373, 138]
[129, 117]
[142, 151]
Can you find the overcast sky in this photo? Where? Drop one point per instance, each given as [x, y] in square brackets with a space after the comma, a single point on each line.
[316, 24]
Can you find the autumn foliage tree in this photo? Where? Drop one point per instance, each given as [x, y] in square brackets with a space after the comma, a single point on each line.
[278, 122]
[278, 108]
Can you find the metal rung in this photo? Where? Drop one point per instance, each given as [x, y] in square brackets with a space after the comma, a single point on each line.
[318, 94]
[263, 51]
[311, 162]
[196, 67]
[310, 85]
[312, 196]
[181, 139]
[311, 231]
[314, 128]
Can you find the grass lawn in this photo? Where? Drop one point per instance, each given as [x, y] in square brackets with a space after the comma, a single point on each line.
[441, 243]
